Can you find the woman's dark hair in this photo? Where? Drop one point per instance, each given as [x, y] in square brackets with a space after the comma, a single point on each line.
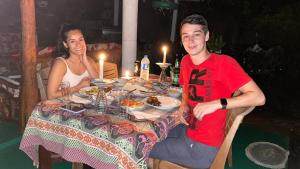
[195, 19]
[62, 37]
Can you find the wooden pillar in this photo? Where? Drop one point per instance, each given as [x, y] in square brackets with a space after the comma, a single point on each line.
[29, 92]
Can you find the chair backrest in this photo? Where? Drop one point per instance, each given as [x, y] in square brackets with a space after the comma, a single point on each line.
[233, 120]
[42, 79]
[110, 70]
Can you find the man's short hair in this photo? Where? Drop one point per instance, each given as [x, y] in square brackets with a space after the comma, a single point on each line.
[195, 19]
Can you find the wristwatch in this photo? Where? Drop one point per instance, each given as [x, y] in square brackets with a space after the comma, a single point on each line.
[223, 102]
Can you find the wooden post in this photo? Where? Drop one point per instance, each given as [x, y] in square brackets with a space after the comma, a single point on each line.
[29, 92]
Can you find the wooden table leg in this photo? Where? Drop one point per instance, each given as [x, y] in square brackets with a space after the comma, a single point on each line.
[77, 165]
[44, 158]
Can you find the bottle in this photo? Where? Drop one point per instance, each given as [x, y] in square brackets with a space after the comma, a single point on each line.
[176, 72]
[136, 68]
[144, 72]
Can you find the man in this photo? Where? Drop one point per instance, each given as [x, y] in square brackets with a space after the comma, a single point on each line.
[208, 81]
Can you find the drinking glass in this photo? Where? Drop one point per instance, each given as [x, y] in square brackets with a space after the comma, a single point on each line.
[65, 91]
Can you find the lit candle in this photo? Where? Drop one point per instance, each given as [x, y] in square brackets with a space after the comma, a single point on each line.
[164, 48]
[101, 63]
[127, 74]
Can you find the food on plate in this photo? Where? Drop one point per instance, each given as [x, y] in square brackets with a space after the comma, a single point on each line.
[107, 89]
[131, 103]
[153, 101]
[92, 91]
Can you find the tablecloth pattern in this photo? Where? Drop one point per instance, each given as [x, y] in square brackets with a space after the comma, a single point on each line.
[102, 141]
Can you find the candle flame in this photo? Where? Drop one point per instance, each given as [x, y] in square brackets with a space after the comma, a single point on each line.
[102, 56]
[127, 74]
[164, 48]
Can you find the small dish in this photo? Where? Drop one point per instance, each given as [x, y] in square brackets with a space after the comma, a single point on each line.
[174, 92]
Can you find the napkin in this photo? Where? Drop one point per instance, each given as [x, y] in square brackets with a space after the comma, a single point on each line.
[78, 99]
[146, 115]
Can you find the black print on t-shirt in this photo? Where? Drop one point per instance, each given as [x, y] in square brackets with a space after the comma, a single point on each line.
[195, 79]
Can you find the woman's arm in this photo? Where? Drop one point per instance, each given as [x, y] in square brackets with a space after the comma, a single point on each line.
[89, 65]
[56, 75]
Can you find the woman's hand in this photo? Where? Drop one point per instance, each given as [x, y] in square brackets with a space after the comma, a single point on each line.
[204, 108]
[83, 57]
[85, 82]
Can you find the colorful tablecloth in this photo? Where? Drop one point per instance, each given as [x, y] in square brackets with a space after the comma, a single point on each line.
[102, 141]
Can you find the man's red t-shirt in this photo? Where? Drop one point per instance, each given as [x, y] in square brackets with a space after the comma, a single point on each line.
[217, 77]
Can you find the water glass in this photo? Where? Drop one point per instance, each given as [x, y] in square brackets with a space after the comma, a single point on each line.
[65, 91]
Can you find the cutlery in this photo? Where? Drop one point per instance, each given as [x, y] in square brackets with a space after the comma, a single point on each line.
[131, 91]
[127, 94]
[147, 91]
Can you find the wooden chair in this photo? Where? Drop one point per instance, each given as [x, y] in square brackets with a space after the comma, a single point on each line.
[42, 79]
[110, 70]
[233, 120]
[46, 156]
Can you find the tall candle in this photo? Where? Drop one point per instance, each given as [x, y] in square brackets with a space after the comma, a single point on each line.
[164, 48]
[127, 74]
[101, 63]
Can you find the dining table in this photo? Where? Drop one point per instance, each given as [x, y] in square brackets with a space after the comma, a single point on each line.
[118, 138]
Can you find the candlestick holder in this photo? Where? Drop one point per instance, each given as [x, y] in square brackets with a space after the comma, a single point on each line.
[101, 99]
[163, 75]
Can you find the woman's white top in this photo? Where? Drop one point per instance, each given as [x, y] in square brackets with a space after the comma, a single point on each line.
[71, 77]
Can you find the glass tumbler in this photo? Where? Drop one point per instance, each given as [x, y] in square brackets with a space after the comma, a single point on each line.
[65, 91]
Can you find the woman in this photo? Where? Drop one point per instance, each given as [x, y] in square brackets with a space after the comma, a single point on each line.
[74, 66]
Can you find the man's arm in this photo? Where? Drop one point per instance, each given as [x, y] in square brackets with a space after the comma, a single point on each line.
[184, 107]
[251, 96]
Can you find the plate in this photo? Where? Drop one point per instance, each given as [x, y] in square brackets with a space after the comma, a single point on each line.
[104, 82]
[174, 91]
[77, 99]
[167, 103]
[120, 82]
[91, 90]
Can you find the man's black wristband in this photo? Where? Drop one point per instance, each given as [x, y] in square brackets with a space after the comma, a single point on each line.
[223, 102]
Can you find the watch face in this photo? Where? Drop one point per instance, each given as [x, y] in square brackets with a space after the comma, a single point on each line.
[223, 103]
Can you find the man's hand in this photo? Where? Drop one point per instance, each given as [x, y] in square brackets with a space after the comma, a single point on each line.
[179, 114]
[204, 108]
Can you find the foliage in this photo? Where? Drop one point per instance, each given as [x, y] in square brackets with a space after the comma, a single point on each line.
[215, 43]
[281, 26]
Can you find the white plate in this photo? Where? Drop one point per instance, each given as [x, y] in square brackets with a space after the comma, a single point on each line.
[167, 103]
[174, 91]
[78, 99]
[89, 90]
[104, 82]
